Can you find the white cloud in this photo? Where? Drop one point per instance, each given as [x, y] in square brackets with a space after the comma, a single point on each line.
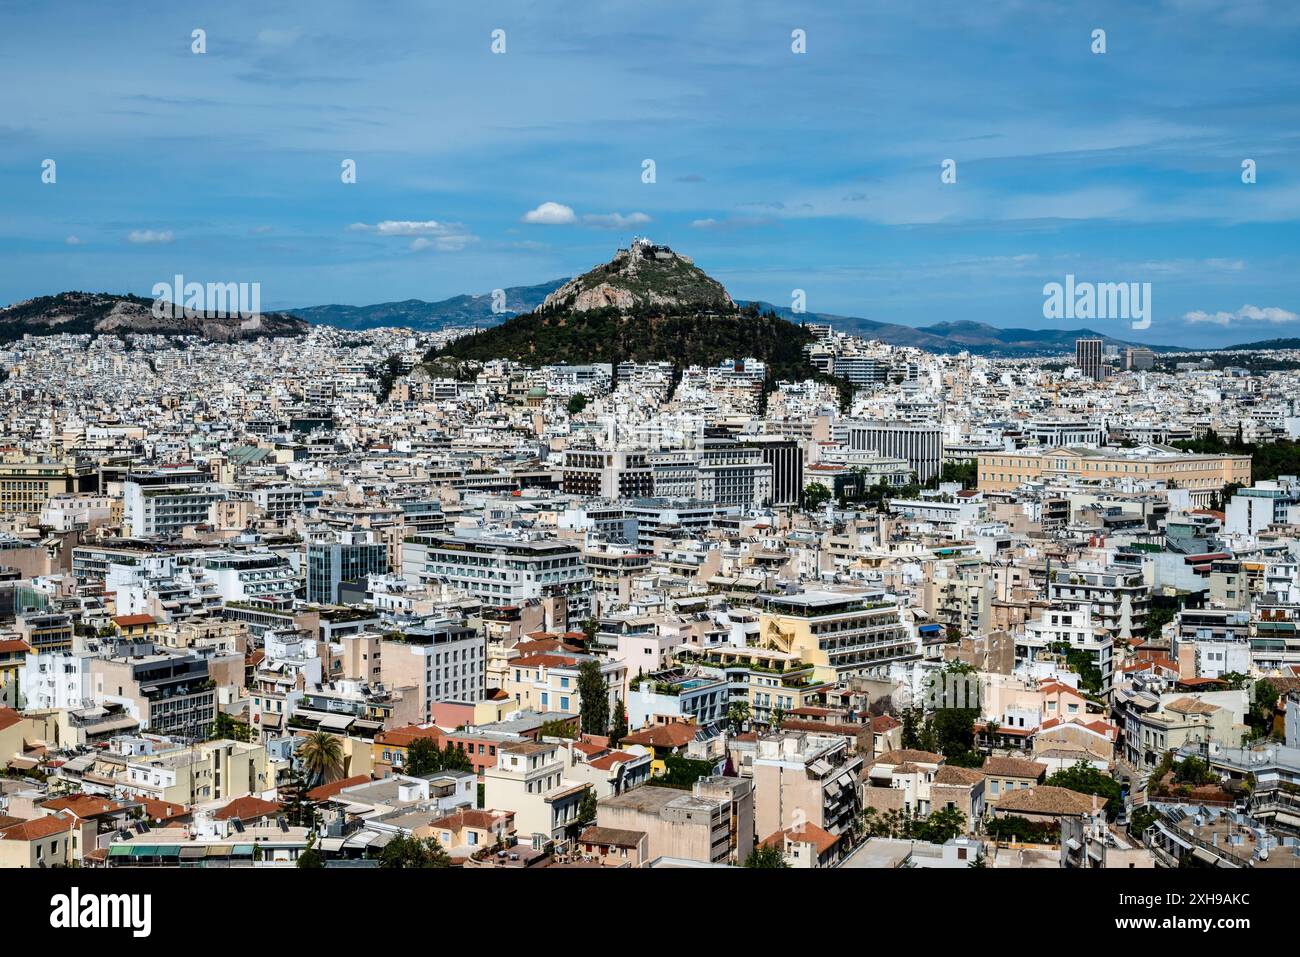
[615, 220]
[72, 241]
[550, 214]
[1246, 313]
[141, 236]
[429, 233]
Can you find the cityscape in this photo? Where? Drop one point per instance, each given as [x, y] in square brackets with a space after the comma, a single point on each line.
[583, 542]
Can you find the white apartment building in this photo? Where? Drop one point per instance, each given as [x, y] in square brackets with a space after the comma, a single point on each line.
[1070, 625]
[167, 500]
[56, 681]
[503, 570]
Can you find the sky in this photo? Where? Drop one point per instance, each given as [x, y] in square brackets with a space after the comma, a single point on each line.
[775, 170]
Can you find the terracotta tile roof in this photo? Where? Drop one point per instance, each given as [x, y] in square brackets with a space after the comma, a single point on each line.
[469, 818]
[130, 621]
[160, 810]
[543, 660]
[884, 722]
[1044, 799]
[820, 838]
[606, 762]
[37, 828]
[14, 644]
[964, 777]
[909, 756]
[663, 736]
[83, 805]
[1012, 768]
[324, 791]
[8, 718]
[611, 836]
[402, 737]
[246, 808]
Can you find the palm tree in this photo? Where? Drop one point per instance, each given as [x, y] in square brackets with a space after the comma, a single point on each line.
[738, 714]
[321, 755]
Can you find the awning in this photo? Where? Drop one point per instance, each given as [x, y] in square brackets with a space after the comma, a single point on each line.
[219, 850]
[337, 722]
[242, 850]
[119, 850]
[192, 853]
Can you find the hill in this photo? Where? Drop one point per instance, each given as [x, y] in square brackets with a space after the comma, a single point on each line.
[647, 304]
[465, 310]
[82, 313]
[1263, 344]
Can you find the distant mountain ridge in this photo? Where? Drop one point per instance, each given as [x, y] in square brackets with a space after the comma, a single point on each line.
[82, 313]
[464, 310]
[1262, 344]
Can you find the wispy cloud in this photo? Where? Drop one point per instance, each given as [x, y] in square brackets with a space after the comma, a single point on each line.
[1246, 313]
[427, 233]
[142, 237]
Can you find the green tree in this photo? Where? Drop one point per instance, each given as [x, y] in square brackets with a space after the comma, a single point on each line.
[577, 403]
[557, 728]
[321, 755]
[941, 826]
[1263, 708]
[1086, 779]
[403, 851]
[587, 807]
[815, 496]
[423, 756]
[310, 857]
[225, 727]
[593, 690]
[738, 714]
[619, 730]
[764, 855]
[1143, 817]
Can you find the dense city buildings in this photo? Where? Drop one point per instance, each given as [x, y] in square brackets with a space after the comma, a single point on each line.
[666, 625]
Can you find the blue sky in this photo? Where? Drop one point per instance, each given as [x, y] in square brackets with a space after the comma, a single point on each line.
[776, 171]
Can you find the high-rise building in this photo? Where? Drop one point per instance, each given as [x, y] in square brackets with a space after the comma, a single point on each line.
[786, 459]
[1088, 357]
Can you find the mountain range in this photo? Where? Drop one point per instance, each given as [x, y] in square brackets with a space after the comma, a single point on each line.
[81, 312]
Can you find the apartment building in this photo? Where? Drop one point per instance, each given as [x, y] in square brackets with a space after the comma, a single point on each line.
[528, 778]
[442, 660]
[802, 777]
[167, 691]
[842, 634]
[502, 570]
[167, 500]
[705, 825]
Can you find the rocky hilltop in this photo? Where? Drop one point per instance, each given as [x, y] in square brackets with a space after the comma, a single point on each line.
[644, 276]
[81, 313]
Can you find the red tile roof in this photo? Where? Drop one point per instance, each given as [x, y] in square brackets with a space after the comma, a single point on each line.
[246, 808]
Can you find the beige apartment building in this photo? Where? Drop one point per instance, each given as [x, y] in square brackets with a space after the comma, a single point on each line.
[806, 778]
[706, 825]
[26, 484]
[1202, 474]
